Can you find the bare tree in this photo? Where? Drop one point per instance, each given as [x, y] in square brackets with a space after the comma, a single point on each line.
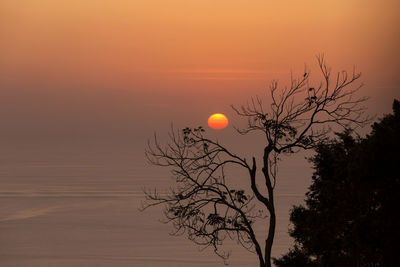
[202, 204]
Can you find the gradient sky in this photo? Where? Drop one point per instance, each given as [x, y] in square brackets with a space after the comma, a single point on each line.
[73, 69]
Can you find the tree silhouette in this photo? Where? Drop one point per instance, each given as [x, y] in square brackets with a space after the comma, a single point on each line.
[350, 216]
[204, 206]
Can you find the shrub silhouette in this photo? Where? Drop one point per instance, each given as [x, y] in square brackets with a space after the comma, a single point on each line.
[351, 215]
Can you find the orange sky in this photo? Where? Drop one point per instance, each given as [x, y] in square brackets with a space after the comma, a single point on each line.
[109, 61]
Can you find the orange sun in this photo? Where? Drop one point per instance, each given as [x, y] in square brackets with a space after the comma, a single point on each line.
[217, 121]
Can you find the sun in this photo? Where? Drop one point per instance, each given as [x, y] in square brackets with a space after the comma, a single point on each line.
[217, 121]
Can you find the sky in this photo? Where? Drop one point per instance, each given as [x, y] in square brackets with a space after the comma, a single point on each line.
[83, 80]
[73, 71]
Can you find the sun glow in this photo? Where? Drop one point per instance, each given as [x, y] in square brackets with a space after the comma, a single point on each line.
[217, 121]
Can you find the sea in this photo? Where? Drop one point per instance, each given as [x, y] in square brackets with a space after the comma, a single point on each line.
[79, 205]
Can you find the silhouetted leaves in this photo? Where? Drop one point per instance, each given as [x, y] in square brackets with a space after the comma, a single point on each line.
[215, 219]
[204, 206]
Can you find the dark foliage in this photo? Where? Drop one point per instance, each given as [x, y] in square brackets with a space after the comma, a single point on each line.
[351, 217]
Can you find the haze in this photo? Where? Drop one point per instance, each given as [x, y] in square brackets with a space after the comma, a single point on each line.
[84, 84]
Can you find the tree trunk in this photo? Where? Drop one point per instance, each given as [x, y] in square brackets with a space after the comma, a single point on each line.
[270, 239]
[271, 207]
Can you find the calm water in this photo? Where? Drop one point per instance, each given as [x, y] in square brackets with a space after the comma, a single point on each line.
[77, 207]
